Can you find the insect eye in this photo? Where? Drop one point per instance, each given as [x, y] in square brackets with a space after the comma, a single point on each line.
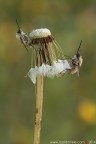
[19, 31]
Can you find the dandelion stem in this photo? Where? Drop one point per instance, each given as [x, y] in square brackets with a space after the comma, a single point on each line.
[38, 114]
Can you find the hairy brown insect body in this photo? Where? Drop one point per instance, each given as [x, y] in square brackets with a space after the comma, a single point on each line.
[76, 62]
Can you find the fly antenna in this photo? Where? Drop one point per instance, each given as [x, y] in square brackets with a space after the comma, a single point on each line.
[79, 47]
[17, 24]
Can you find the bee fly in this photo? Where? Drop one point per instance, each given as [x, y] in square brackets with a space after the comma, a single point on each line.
[23, 37]
[76, 62]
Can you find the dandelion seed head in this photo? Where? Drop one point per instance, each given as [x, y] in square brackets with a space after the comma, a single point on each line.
[42, 42]
[47, 61]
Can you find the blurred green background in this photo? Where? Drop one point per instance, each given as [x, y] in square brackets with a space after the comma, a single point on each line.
[69, 108]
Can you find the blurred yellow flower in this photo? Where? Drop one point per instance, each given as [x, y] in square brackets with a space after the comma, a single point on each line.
[87, 111]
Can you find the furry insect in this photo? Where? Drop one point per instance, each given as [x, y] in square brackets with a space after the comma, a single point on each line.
[76, 62]
[23, 37]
